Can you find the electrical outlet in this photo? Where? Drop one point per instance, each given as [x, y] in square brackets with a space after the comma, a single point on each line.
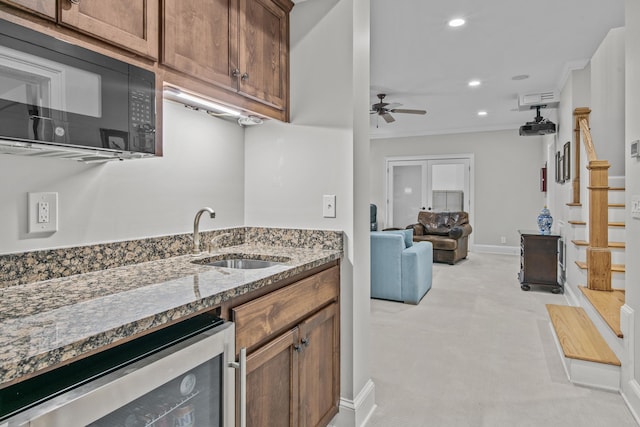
[42, 212]
[329, 206]
[635, 207]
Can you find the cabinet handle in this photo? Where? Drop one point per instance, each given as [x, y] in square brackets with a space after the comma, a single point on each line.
[235, 73]
[241, 366]
[305, 342]
[245, 76]
[297, 348]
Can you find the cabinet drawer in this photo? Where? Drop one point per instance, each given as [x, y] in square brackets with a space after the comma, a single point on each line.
[259, 320]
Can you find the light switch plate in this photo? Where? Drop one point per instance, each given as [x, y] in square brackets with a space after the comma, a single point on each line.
[329, 206]
[43, 212]
[635, 207]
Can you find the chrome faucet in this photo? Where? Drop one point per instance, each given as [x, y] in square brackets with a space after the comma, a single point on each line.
[196, 225]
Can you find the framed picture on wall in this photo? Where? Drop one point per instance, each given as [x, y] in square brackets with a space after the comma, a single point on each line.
[566, 165]
[559, 170]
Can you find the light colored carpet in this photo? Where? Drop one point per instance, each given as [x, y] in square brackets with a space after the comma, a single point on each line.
[478, 351]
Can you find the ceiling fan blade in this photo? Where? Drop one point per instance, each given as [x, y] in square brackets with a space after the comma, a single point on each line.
[406, 111]
[387, 117]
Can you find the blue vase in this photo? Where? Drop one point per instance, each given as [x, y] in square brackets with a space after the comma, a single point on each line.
[545, 220]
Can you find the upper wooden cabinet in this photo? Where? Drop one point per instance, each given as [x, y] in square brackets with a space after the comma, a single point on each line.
[128, 24]
[46, 8]
[239, 45]
[131, 24]
[196, 39]
[263, 57]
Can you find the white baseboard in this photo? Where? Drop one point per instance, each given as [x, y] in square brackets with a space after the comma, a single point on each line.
[356, 412]
[496, 249]
[630, 389]
[631, 396]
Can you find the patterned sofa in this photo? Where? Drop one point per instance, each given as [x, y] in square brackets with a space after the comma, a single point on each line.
[447, 231]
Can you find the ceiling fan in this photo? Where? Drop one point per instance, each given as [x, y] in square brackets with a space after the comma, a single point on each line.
[383, 109]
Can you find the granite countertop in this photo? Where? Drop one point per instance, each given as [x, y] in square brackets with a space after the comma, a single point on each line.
[44, 324]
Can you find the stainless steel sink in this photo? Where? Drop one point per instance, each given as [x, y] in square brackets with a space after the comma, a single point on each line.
[240, 263]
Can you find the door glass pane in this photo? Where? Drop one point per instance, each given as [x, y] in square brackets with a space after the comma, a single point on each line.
[407, 194]
[192, 399]
[447, 186]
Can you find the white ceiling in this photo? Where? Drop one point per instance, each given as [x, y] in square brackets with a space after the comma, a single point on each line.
[420, 62]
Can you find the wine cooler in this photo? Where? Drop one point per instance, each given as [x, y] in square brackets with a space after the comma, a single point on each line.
[179, 377]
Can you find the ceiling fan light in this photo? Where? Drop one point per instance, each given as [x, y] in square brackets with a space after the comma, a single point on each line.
[457, 22]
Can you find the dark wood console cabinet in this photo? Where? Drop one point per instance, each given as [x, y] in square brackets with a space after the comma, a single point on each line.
[539, 261]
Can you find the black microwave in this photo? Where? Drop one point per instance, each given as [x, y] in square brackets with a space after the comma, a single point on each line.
[61, 100]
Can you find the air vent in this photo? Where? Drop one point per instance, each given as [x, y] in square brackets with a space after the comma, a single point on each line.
[548, 99]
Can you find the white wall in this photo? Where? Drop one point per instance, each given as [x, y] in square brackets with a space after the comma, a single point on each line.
[631, 374]
[324, 150]
[507, 178]
[202, 166]
[607, 100]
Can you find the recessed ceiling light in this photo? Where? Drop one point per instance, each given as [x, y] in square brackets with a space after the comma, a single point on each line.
[457, 22]
[474, 83]
[482, 113]
[520, 77]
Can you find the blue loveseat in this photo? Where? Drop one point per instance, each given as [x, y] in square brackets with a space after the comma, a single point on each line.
[401, 270]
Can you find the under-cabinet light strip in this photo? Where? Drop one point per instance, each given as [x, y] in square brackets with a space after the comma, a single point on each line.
[204, 103]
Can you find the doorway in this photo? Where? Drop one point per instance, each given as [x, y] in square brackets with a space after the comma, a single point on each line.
[432, 183]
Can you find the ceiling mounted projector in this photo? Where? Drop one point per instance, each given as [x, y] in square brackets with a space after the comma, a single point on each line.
[540, 126]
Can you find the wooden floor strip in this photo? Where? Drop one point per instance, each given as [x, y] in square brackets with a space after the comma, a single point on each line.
[578, 336]
[615, 268]
[613, 245]
[607, 304]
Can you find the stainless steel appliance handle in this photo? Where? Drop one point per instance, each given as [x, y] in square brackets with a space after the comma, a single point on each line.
[241, 366]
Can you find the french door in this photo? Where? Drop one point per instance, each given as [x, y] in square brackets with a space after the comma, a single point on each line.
[434, 184]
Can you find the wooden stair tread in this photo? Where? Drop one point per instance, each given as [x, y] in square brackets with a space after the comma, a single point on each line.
[617, 245]
[611, 224]
[574, 204]
[607, 304]
[616, 205]
[578, 336]
[616, 188]
[616, 268]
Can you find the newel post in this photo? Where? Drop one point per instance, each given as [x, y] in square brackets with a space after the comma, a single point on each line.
[598, 252]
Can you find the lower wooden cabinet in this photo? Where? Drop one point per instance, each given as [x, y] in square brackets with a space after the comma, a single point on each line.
[272, 383]
[292, 337]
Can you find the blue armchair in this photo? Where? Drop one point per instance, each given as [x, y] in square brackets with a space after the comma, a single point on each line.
[401, 270]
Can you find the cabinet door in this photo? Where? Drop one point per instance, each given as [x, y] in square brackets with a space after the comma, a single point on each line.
[272, 383]
[41, 7]
[199, 39]
[264, 52]
[131, 24]
[319, 367]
